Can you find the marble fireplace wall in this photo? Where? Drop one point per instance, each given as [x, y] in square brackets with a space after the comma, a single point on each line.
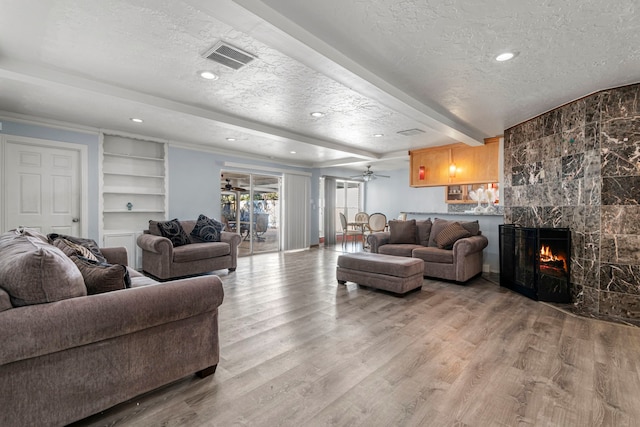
[578, 166]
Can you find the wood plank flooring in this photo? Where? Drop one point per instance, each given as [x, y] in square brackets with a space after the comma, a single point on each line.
[297, 349]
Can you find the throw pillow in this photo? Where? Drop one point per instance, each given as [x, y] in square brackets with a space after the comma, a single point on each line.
[100, 277]
[402, 231]
[70, 249]
[173, 231]
[451, 234]
[423, 228]
[472, 227]
[35, 272]
[79, 244]
[207, 229]
[438, 225]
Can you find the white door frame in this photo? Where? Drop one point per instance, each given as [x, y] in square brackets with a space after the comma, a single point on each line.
[84, 175]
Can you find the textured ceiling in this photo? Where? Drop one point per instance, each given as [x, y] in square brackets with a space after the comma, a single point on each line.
[372, 67]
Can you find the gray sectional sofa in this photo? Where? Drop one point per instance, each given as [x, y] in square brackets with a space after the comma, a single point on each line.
[451, 250]
[67, 354]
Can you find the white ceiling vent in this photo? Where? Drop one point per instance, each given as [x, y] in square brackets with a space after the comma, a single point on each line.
[228, 55]
[411, 132]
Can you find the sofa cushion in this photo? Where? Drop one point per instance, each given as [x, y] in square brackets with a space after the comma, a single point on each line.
[102, 277]
[451, 234]
[402, 231]
[198, 251]
[429, 254]
[85, 247]
[439, 224]
[207, 229]
[423, 228]
[173, 231]
[400, 249]
[35, 272]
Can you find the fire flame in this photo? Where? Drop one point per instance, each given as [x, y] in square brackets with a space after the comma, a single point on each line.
[546, 255]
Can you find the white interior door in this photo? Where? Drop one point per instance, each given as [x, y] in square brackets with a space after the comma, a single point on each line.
[42, 186]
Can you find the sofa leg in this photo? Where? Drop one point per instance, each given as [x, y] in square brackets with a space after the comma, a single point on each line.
[232, 269]
[206, 371]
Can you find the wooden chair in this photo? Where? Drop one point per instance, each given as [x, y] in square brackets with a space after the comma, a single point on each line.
[346, 232]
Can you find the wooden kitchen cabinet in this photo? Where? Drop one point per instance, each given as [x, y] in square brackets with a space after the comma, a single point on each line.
[429, 167]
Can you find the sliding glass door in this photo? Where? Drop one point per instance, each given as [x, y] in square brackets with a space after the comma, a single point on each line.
[250, 206]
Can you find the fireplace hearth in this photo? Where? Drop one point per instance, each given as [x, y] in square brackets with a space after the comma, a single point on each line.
[535, 262]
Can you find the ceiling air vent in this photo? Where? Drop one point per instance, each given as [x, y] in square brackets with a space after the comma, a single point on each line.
[229, 56]
[411, 132]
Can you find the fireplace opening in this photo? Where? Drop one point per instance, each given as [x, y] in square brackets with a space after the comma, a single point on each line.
[536, 261]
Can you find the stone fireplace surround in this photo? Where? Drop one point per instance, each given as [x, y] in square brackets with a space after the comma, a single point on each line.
[578, 166]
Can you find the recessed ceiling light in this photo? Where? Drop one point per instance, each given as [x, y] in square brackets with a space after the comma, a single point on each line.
[317, 114]
[135, 120]
[505, 56]
[378, 135]
[208, 75]
[231, 139]
[292, 152]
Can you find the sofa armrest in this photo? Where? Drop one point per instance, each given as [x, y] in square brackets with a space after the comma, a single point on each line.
[375, 240]
[233, 239]
[156, 244]
[469, 245]
[115, 255]
[36, 330]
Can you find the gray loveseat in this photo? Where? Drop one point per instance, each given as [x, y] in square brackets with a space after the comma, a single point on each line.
[456, 258]
[69, 355]
[164, 261]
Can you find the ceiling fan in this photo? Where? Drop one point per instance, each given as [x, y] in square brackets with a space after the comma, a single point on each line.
[229, 187]
[369, 175]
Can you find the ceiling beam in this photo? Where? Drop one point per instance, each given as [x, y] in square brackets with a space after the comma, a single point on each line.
[298, 43]
[49, 77]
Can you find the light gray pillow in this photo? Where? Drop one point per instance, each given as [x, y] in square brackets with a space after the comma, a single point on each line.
[35, 272]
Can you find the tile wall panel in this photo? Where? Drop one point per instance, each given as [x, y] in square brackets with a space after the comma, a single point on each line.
[578, 166]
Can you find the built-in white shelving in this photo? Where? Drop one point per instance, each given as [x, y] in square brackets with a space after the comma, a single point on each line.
[133, 190]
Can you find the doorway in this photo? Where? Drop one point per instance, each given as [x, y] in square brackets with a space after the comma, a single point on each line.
[42, 186]
[250, 206]
[338, 196]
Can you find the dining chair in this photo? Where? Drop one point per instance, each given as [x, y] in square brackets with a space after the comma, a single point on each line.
[346, 232]
[361, 217]
[377, 222]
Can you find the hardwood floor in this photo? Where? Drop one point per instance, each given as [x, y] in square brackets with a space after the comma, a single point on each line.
[297, 349]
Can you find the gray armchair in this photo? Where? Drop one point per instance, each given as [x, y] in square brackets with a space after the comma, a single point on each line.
[163, 261]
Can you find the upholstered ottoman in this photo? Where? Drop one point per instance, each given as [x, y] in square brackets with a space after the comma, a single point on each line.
[387, 272]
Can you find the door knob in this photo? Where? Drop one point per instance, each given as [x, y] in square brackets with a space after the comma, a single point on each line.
[75, 220]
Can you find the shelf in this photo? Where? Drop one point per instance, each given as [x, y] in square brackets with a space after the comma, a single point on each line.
[129, 156]
[134, 192]
[133, 211]
[134, 175]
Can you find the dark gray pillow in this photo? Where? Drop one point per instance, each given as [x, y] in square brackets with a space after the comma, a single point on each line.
[207, 229]
[173, 231]
[100, 277]
[402, 231]
[423, 228]
[472, 227]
